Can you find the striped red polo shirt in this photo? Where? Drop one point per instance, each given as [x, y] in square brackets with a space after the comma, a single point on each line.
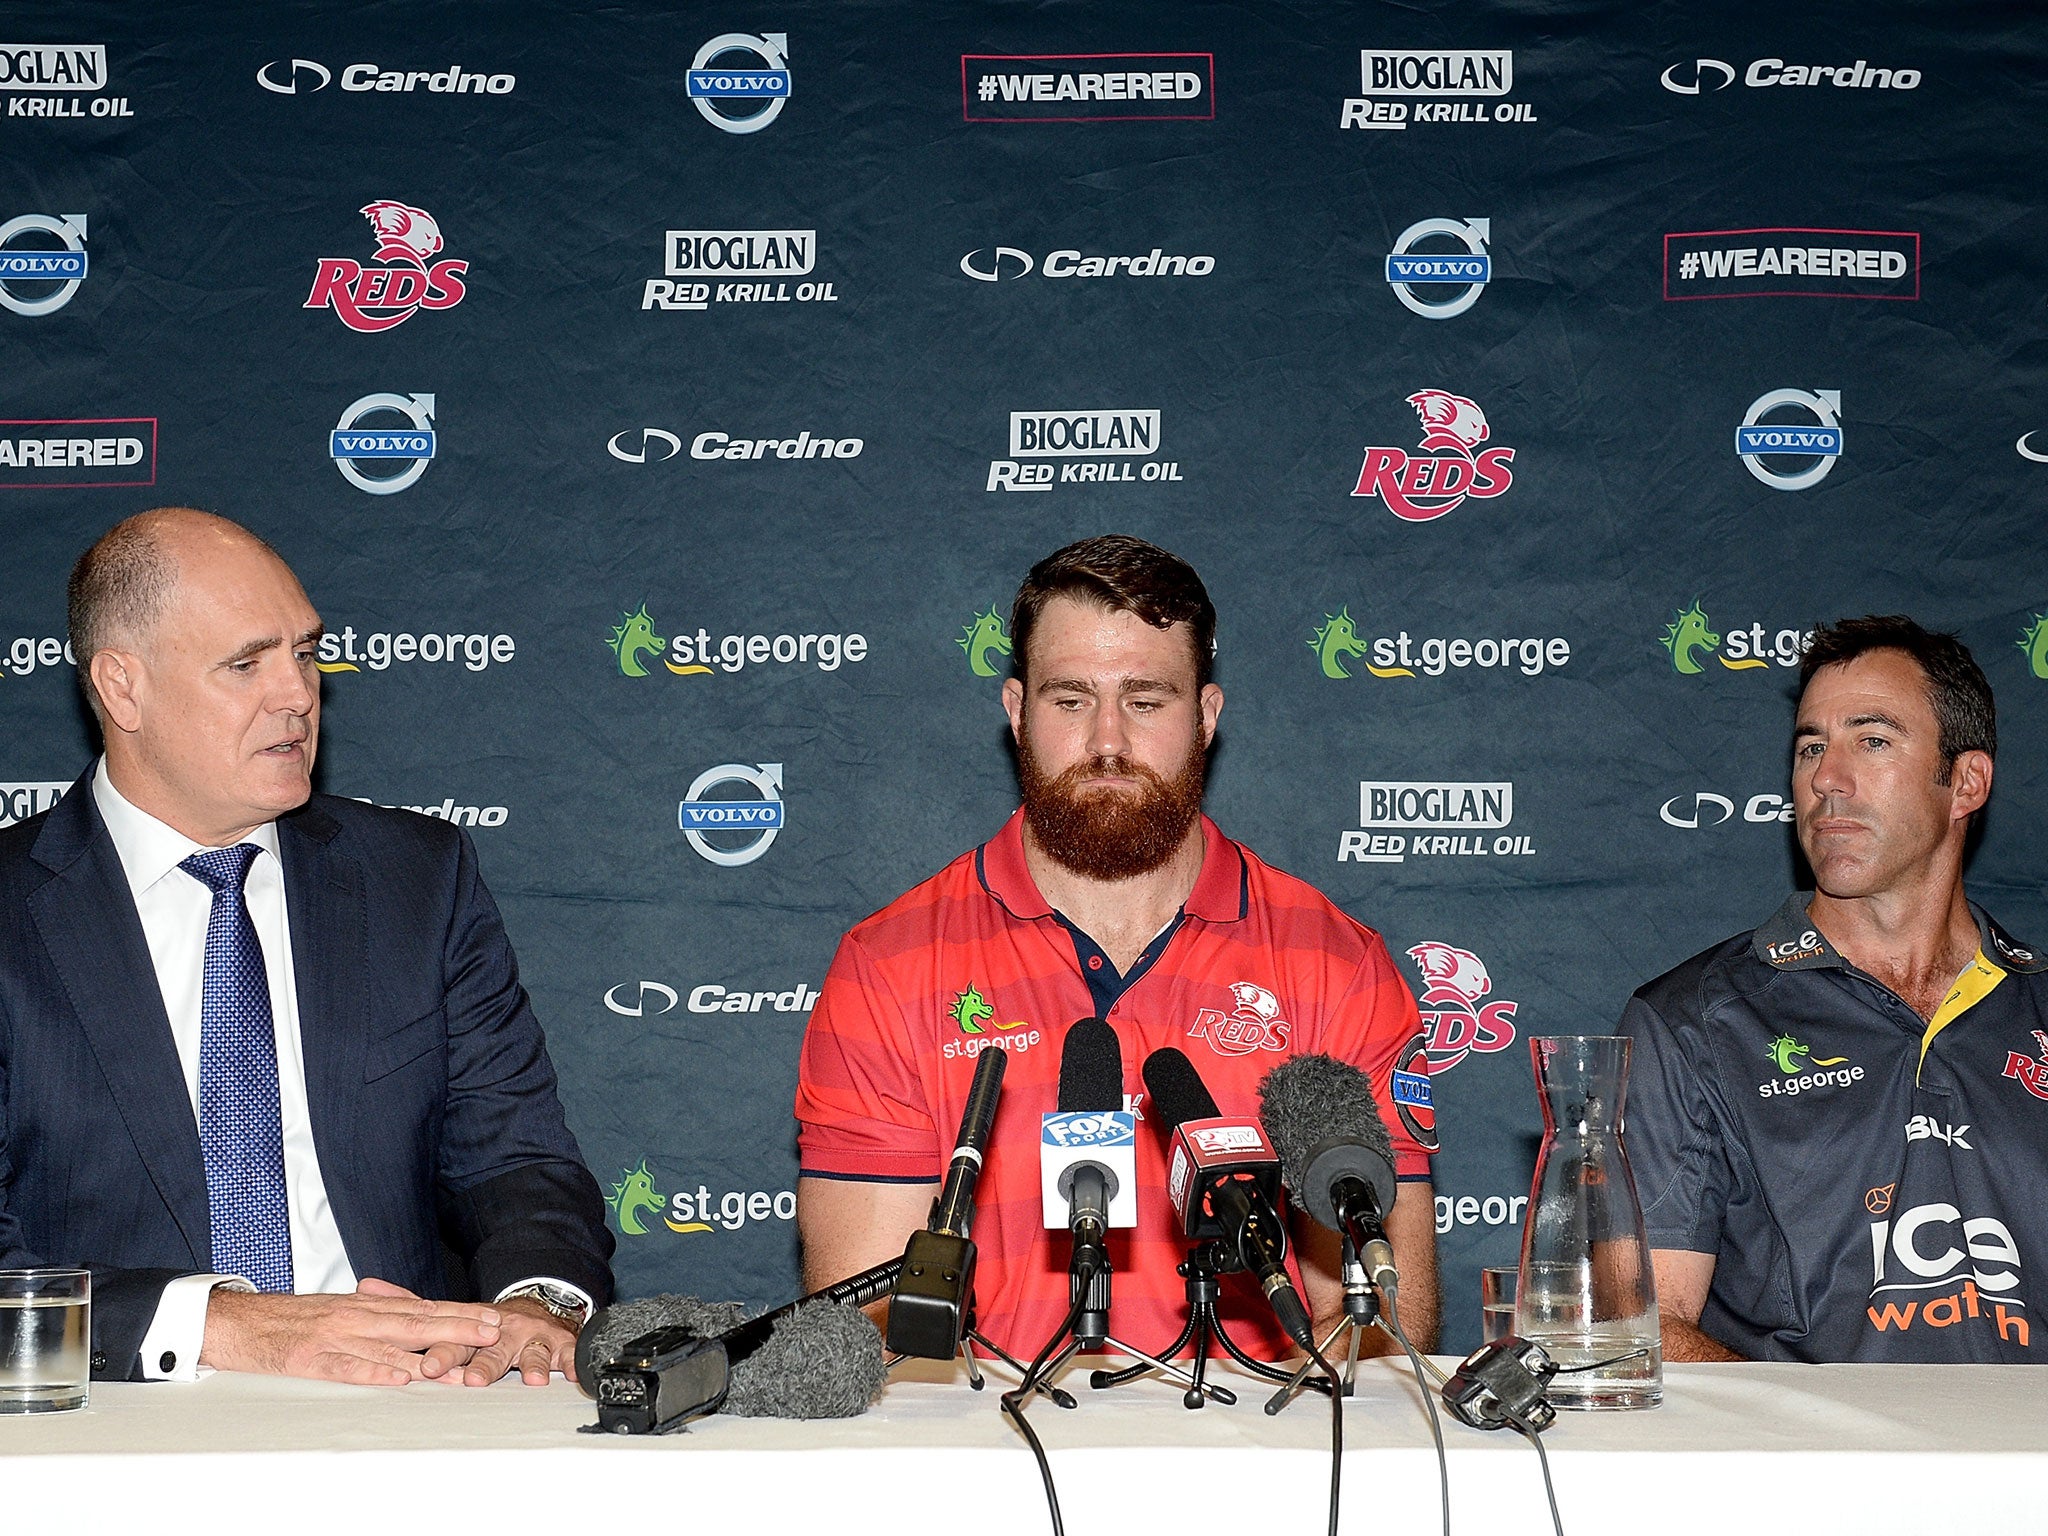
[1259, 966]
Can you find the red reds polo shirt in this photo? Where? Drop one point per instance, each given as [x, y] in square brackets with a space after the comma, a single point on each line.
[1258, 966]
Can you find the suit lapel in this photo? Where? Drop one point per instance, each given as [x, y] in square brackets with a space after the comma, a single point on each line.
[330, 961]
[87, 921]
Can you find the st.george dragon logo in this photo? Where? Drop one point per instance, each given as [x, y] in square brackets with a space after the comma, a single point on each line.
[983, 637]
[635, 1196]
[1420, 487]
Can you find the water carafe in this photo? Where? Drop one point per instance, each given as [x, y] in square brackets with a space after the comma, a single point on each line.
[1586, 1293]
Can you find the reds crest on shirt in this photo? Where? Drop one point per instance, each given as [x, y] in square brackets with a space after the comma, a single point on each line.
[1253, 1023]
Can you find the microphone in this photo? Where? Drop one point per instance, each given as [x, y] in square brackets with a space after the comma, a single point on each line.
[932, 1298]
[1335, 1153]
[1224, 1179]
[654, 1365]
[1088, 1166]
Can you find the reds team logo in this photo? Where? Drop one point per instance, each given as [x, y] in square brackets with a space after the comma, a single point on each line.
[1453, 982]
[1420, 487]
[376, 298]
[2032, 1075]
[1253, 1023]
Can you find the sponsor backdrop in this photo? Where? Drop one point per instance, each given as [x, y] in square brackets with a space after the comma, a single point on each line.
[661, 405]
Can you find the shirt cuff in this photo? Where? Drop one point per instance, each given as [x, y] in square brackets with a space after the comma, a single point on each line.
[581, 1296]
[170, 1349]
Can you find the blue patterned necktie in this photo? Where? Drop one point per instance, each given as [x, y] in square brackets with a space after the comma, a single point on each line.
[240, 1130]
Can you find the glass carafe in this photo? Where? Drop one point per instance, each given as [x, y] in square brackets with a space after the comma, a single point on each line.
[1587, 1294]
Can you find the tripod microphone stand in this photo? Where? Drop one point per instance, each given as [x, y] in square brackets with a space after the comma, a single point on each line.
[1088, 1328]
[1206, 1264]
[1361, 1311]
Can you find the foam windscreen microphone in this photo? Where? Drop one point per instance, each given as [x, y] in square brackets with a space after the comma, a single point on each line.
[656, 1364]
[1335, 1153]
[1224, 1179]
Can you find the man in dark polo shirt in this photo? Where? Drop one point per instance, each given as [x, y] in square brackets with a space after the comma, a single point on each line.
[1839, 1122]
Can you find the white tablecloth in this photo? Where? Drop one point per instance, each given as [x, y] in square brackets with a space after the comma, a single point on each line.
[1734, 1448]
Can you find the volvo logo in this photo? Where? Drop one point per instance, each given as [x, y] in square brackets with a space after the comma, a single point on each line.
[761, 817]
[710, 85]
[1437, 270]
[350, 444]
[1757, 440]
[656, 446]
[66, 268]
[1704, 75]
[1005, 256]
[290, 86]
[2030, 453]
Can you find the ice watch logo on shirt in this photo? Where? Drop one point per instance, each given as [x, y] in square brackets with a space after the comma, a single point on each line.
[1973, 1261]
[1253, 1023]
[2032, 1075]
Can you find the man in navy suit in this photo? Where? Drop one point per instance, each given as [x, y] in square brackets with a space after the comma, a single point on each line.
[256, 1103]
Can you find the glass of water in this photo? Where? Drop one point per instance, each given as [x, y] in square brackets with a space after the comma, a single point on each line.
[45, 1339]
[1497, 1301]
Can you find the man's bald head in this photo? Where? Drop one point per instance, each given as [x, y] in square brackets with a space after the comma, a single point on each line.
[122, 585]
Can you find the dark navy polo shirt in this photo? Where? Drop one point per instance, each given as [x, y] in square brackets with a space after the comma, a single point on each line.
[1874, 1185]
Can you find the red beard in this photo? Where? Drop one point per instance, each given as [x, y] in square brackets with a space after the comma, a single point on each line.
[1106, 834]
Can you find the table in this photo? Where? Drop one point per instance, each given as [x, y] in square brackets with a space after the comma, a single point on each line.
[1770, 1448]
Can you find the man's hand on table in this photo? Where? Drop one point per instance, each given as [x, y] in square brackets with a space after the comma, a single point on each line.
[531, 1340]
[381, 1336]
[385, 1336]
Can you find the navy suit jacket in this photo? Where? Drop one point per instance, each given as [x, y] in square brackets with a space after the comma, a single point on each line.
[432, 1098]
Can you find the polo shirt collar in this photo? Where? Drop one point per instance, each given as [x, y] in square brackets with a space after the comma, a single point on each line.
[149, 848]
[1220, 894]
[1790, 940]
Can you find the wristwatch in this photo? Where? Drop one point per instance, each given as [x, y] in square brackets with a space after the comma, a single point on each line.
[562, 1304]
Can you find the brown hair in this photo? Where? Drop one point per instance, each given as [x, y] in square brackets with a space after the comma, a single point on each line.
[1124, 575]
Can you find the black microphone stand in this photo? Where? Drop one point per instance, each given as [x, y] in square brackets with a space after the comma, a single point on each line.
[1089, 1330]
[1203, 1270]
[1361, 1311]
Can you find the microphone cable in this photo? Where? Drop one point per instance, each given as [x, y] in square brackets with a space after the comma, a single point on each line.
[1013, 1401]
[1390, 1320]
[1336, 1431]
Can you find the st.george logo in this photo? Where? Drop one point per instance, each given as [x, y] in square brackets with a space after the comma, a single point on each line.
[1423, 486]
[409, 279]
[983, 637]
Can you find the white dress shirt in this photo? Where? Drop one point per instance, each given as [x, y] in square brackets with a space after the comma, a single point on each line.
[175, 907]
